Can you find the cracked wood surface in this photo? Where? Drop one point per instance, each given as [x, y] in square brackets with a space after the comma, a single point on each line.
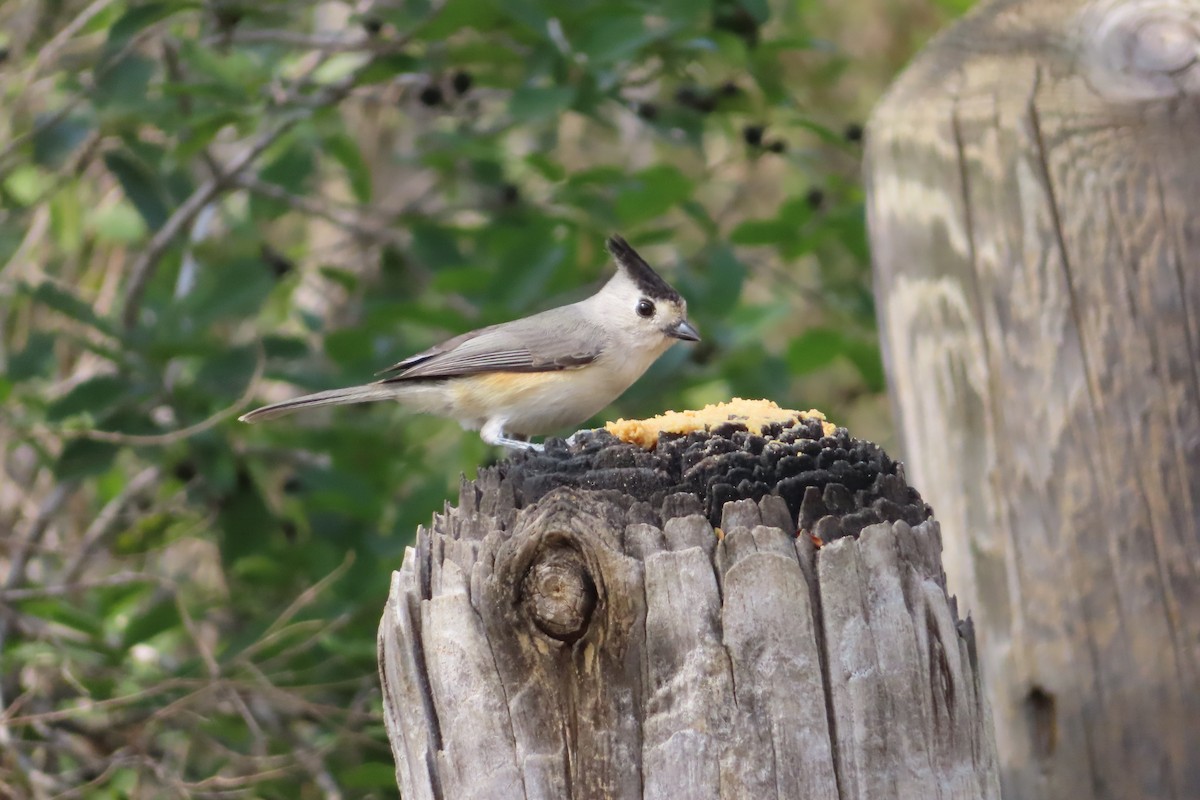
[748, 665]
[1032, 187]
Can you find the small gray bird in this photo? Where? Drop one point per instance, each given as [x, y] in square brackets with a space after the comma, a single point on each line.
[537, 374]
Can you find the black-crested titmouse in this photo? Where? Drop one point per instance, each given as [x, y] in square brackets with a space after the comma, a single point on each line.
[537, 374]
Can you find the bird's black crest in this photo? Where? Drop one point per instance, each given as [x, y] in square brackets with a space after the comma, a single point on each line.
[636, 268]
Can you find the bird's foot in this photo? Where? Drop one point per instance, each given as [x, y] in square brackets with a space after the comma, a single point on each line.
[493, 433]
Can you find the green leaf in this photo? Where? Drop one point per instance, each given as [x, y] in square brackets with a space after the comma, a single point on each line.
[373, 775]
[725, 273]
[65, 302]
[229, 77]
[549, 169]
[202, 129]
[225, 374]
[759, 9]
[529, 13]
[346, 151]
[65, 613]
[533, 103]
[286, 347]
[865, 355]
[125, 87]
[141, 185]
[52, 145]
[159, 618]
[229, 291]
[93, 396]
[605, 39]
[82, 458]
[291, 168]
[342, 277]
[652, 192]
[244, 520]
[436, 246]
[139, 17]
[764, 232]
[26, 184]
[458, 14]
[66, 219]
[386, 68]
[36, 359]
[814, 349]
[118, 224]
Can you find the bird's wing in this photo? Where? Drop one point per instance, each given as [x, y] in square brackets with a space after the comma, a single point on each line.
[546, 342]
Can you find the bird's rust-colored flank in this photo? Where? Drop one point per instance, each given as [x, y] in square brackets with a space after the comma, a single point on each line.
[490, 390]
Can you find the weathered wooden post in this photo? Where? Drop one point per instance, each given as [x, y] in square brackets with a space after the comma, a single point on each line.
[1033, 184]
[577, 627]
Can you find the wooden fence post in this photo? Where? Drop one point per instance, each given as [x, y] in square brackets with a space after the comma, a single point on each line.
[1033, 180]
[576, 627]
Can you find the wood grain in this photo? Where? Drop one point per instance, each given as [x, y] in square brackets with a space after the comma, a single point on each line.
[747, 664]
[1032, 180]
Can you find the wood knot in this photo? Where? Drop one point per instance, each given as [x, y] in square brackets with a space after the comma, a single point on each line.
[1138, 51]
[559, 594]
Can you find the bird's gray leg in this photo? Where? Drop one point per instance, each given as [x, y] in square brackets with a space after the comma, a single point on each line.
[493, 433]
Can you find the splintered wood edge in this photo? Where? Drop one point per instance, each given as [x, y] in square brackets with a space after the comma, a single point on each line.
[758, 587]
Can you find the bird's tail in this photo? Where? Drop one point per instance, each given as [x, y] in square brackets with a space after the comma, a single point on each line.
[333, 397]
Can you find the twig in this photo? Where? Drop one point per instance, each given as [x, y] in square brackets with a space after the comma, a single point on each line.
[92, 706]
[50, 50]
[303, 599]
[59, 114]
[20, 558]
[36, 592]
[146, 263]
[106, 522]
[331, 44]
[318, 208]
[170, 437]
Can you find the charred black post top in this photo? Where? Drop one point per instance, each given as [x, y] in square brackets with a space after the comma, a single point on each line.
[834, 485]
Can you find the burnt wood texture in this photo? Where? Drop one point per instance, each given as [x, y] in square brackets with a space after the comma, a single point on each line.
[1033, 180]
[576, 627]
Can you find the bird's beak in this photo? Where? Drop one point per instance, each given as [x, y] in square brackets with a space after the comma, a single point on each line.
[684, 330]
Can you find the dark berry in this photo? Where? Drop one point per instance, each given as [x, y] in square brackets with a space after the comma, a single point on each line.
[227, 15]
[372, 25]
[731, 17]
[706, 104]
[277, 262]
[687, 96]
[753, 134]
[293, 485]
[815, 198]
[509, 194]
[777, 146]
[853, 132]
[431, 96]
[462, 81]
[729, 89]
[184, 471]
[647, 111]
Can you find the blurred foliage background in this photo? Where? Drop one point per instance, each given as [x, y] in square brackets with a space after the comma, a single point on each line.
[205, 205]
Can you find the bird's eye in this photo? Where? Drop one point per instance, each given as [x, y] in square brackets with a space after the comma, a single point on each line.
[645, 308]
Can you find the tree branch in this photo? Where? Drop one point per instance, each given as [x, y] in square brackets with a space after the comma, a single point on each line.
[147, 262]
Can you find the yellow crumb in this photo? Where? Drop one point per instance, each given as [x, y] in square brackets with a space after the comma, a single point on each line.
[754, 414]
